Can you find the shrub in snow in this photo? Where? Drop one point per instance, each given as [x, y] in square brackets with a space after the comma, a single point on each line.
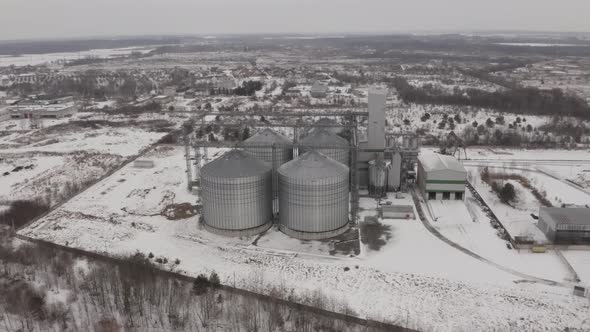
[214, 278]
[200, 284]
[507, 193]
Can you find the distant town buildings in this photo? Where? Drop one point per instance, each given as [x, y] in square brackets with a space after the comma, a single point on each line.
[319, 90]
[38, 107]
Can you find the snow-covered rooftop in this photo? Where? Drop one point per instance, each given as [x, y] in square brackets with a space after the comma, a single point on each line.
[438, 162]
[569, 216]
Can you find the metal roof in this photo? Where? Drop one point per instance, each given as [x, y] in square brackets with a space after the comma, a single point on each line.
[324, 137]
[235, 164]
[376, 90]
[569, 216]
[268, 136]
[397, 208]
[313, 165]
[319, 87]
[438, 162]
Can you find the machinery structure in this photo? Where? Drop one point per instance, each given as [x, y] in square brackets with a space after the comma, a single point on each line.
[384, 162]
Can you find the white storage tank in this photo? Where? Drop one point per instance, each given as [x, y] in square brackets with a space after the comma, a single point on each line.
[313, 196]
[236, 191]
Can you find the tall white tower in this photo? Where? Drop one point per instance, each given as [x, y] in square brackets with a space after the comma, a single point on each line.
[376, 128]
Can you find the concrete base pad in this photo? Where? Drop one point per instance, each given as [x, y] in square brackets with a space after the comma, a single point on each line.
[240, 232]
[313, 236]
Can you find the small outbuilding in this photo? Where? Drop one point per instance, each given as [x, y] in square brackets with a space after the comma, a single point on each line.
[397, 212]
[441, 177]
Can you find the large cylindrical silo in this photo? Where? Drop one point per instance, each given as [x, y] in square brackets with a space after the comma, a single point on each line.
[272, 148]
[236, 191]
[322, 137]
[313, 196]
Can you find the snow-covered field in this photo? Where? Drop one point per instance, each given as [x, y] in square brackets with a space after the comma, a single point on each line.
[517, 218]
[414, 279]
[40, 163]
[466, 224]
[580, 261]
[123, 141]
[40, 59]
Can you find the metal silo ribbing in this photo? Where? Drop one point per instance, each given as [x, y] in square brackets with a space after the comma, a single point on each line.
[237, 194]
[313, 196]
[323, 137]
[272, 148]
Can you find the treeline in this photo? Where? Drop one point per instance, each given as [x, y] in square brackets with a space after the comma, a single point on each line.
[88, 85]
[519, 100]
[22, 211]
[248, 88]
[132, 295]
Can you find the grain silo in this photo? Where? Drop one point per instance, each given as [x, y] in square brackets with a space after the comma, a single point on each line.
[236, 192]
[378, 177]
[272, 148]
[320, 138]
[313, 196]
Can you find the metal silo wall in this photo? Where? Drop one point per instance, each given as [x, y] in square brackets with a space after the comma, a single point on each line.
[314, 205]
[340, 155]
[377, 179]
[281, 156]
[237, 203]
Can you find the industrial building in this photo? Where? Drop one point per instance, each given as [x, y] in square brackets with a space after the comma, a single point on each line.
[314, 197]
[398, 150]
[236, 191]
[565, 225]
[441, 177]
[51, 111]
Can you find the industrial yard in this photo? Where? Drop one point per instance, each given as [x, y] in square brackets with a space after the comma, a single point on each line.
[312, 172]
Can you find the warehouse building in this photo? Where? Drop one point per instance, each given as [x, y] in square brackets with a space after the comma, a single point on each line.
[319, 90]
[441, 177]
[52, 111]
[565, 225]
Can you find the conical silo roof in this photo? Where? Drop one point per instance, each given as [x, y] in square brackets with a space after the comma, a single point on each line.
[267, 136]
[313, 165]
[235, 164]
[324, 137]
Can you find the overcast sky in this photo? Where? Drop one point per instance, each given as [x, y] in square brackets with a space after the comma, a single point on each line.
[75, 18]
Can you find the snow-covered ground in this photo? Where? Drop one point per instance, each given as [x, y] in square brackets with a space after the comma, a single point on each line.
[580, 262]
[39, 59]
[465, 223]
[123, 141]
[414, 280]
[40, 163]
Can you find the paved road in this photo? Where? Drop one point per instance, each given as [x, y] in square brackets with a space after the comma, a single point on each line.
[435, 232]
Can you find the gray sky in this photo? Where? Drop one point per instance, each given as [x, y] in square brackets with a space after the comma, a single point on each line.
[73, 18]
